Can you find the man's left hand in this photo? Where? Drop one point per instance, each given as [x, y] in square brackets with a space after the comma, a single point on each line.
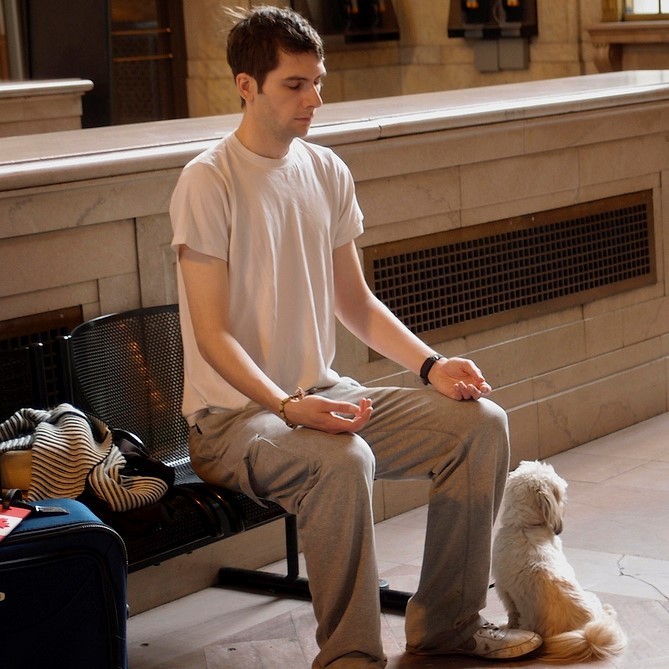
[459, 379]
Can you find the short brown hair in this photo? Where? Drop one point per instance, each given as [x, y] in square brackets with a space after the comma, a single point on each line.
[260, 33]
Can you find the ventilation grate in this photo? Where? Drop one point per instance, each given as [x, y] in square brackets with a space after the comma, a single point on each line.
[44, 328]
[456, 282]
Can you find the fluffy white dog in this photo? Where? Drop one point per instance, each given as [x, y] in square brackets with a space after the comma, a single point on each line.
[535, 582]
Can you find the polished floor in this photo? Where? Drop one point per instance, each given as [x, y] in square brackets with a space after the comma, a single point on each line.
[616, 537]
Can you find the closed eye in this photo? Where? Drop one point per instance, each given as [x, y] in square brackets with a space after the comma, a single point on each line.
[297, 84]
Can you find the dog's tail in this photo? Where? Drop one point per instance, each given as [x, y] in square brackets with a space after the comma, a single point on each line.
[599, 639]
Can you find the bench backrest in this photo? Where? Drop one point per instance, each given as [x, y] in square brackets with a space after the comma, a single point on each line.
[128, 371]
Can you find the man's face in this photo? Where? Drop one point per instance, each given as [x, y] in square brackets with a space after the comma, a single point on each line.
[289, 98]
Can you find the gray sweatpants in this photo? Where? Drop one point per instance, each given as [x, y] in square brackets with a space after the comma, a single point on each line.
[326, 480]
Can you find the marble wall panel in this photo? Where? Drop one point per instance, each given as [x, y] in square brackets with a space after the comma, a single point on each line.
[212, 96]
[52, 107]
[594, 127]
[588, 412]
[630, 184]
[408, 196]
[422, 21]
[560, 21]
[646, 320]
[526, 357]
[402, 496]
[31, 113]
[51, 299]
[65, 257]
[645, 57]
[84, 203]
[11, 129]
[457, 54]
[157, 260]
[621, 301]
[205, 24]
[475, 215]
[523, 433]
[425, 78]
[430, 151]
[661, 201]
[510, 395]
[333, 87]
[420, 55]
[588, 370]
[532, 175]
[623, 158]
[390, 232]
[117, 293]
[521, 327]
[378, 82]
[189, 573]
[604, 333]
[376, 55]
[545, 54]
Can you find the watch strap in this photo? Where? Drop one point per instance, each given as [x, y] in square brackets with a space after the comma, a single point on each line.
[427, 366]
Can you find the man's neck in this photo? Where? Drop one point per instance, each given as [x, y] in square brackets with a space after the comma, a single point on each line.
[260, 144]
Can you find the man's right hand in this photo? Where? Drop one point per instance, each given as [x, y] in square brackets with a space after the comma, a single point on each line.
[327, 415]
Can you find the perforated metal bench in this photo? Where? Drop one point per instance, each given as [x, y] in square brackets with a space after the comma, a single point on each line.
[127, 369]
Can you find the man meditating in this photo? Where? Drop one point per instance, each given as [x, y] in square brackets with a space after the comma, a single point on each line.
[264, 227]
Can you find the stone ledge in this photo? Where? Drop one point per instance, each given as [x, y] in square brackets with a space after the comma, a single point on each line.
[32, 88]
[144, 147]
[31, 107]
[609, 39]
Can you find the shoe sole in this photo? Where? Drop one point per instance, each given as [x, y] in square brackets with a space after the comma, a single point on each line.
[504, 653]
[500, 654]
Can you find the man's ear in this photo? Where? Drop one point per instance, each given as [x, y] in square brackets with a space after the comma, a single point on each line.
[246, 86]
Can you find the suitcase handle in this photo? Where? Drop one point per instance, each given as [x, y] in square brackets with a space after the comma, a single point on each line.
[14, 497]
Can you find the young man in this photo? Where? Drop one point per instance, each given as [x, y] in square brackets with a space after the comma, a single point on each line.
[264, 227]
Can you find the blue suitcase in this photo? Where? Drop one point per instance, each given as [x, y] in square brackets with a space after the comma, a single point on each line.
[63, 592]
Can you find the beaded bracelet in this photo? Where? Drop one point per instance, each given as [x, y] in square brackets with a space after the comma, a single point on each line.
[297, 396]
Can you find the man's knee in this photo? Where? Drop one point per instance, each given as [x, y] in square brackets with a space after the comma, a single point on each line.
[491, 433]
[349, 458]
[494, 418]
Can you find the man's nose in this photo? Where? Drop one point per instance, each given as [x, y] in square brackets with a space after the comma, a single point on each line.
[315, 100]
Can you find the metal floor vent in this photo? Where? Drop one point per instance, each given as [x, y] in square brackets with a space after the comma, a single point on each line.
[461, 281]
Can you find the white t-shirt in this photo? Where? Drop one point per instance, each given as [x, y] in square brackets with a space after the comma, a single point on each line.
[276, 223]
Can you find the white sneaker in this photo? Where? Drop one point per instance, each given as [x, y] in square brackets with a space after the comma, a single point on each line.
[492, 643]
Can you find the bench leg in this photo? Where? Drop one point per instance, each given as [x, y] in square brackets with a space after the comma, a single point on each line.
[292, 584]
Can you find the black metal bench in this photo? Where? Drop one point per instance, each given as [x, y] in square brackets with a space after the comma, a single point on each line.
[127, 369]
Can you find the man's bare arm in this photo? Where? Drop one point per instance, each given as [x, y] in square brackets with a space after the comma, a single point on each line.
[374, 324]
[207, 289]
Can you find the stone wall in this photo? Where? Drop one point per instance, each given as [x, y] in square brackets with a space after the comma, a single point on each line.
[83, 222]
[29, 107]
[425, 59]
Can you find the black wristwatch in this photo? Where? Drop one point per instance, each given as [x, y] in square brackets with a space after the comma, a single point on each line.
[427, 366]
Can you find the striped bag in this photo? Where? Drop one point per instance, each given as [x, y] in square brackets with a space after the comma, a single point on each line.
[71, 451]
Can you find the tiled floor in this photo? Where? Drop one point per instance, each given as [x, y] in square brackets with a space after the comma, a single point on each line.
[616, 537]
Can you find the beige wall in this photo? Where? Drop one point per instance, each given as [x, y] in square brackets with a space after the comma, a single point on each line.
[83, 221]
[29, 107]
[425, 59]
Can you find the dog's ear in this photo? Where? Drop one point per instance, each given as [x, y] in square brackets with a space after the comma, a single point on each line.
[551, 508]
